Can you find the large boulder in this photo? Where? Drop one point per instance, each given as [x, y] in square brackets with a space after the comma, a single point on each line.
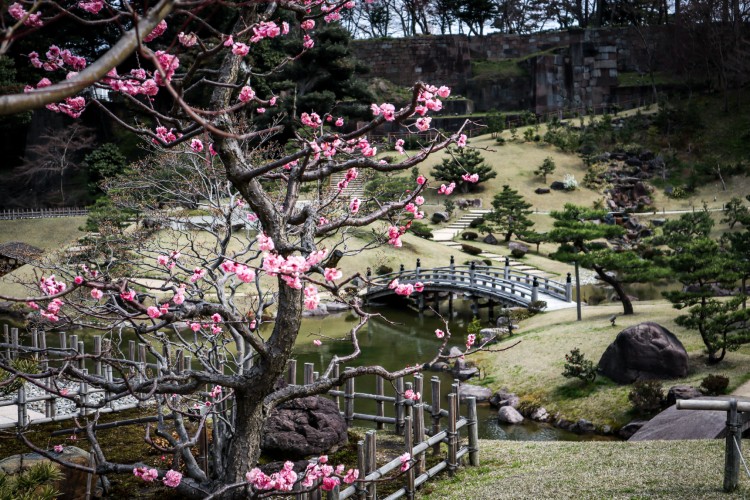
[644, 351]
[73, 483]
[302, 427]
[504, 398]
[490, 239]
[517, 250]
[439, 217]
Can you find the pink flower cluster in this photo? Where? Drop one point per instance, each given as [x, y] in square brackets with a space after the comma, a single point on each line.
[129, 295]
[246, 94]
[157, 32]
[413, 396]
[311, 120]
[53, 309]
[172, 479]
[354, 205]
[351, 174]
[312, 299]
[439, 333]
[244, 273]
[332, 274]
[268, 30]
[57, 59]
[138, 83]
[92, 6]
[461, 142]
[399, 146]
[470, 339]
[473, 178]
[73, 106]
[196, 145]
[394, 236]
[179, 296]
[265, 243]
[50, 285]
[387, 110]
[308, 42]
[447, 190]
[405, 461]
[146, 474]
[169, 65]
[405, 289]
[281, 481]
[165, 135]
[187, 40]
[59, 448]
[18, 12]
[215, 392]
[307, 24]
[328, 476]
[198, 274]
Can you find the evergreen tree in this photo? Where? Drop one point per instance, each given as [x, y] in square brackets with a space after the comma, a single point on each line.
[511, 213]
[577, 228]
[700, 265]
[462, 161]
[546, 168]
[735, 211]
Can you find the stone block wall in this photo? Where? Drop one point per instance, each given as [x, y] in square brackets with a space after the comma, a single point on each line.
[567, 69]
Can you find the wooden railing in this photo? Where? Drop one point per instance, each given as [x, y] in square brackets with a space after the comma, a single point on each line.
[42, 213]
[409, 421]
[504, 283]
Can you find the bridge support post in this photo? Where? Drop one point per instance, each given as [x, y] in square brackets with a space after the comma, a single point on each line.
[417, 269]
[732, 448]
[450, 304]
[535, 290]
[506, 271]
[491, 307]
[472, 271]
[453, 264]
[420, 303]
[569, 288]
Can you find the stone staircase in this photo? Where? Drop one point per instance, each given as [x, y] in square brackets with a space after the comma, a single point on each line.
[445, 236]
[355, 189]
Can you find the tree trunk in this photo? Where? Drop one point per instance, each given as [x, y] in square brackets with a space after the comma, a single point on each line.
[508, 236]
[627, 305]
[244, 445]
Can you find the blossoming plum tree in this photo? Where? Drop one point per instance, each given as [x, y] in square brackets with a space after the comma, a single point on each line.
[196, 96]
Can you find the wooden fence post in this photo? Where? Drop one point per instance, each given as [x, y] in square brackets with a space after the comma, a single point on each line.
[349, 400]
[371, 462]
[380, 405]
[409, 447]
[98, 354]
[336, 373]
[21, 402]
[6, 340]
[471, 403]
[732, 448]
[435, 386]
[419, 421]
[308, 373]
[291, 372]
[362, 467]
[399, 406]
[14, 343]
[452, 434]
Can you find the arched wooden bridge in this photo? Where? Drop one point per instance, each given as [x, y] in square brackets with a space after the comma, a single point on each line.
[501, 284]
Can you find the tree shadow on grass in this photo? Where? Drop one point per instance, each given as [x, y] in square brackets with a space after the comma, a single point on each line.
[577, 389]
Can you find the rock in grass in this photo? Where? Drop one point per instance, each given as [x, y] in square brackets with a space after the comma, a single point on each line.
[504, 398]
[539, 415]
[509, 415]
[682, 392]
[645, 351]
[468, 390]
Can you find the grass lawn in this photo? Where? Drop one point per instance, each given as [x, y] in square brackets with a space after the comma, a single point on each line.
[534, 367]
[47, 234]
[592, 469]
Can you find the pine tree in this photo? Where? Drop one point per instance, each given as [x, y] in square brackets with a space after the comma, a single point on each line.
[547, 167]
[723, 324]
[577, 228]
[463, 161]
[511, 213]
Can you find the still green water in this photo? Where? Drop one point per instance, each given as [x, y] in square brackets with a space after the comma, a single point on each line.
[407, 338]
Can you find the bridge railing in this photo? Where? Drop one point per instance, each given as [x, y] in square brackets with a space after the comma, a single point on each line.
[490, 277]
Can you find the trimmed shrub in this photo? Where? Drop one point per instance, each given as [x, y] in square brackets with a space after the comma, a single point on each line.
[577, 366]
[647, 396]
[476, 222]
[714, 385]
[471, 250]
[469, 235]
[421, 229]
[383, 269]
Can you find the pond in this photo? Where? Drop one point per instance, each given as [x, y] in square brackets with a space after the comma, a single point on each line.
[407, 338]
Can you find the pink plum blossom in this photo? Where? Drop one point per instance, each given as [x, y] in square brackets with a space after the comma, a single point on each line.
[246, 94]
[332, 274]
[354, 205]
[421, 180]
[317, 342]
[307, 24]
[216, 318]
[59, 448]
[339, 122]
[157, 32]
[172, 479]
[196, 145]
[405, 458]
[419, 287]
[78, 280]
[96, 293]
[187, 40]
[153, 312]
[439, 333]
[399, 146]
[410, 394]
[461, 142]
